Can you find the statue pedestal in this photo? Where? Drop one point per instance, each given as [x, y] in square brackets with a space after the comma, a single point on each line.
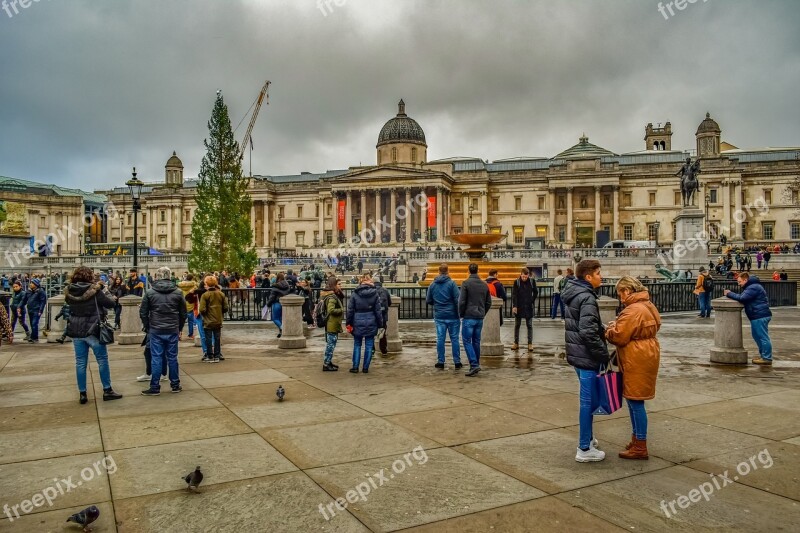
[690, 249]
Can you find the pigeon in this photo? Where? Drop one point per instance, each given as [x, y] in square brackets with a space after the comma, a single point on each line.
[193, 479]
[280, 393]
[85, 517]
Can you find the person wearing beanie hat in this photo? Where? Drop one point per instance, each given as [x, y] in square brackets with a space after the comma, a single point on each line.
[35, 303]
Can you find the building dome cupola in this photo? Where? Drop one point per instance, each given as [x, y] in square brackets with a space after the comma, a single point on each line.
[173, 171]
[401, 140]
[708, 137]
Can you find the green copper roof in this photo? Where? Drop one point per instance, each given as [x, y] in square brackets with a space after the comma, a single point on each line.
[584, 149]
[31, 187]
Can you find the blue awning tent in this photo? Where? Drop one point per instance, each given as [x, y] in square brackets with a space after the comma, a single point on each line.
[153, 251]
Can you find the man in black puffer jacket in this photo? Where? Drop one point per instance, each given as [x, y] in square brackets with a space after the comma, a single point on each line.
[163, 314]
[586, 347]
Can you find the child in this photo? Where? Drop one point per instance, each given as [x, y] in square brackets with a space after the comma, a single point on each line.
[66, 314]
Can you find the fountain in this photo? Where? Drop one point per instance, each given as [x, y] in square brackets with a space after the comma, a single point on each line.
[507, 271]
[476, 243]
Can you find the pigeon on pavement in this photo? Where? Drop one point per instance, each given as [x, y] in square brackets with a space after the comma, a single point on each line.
[193, 479]
[85, 517]
[280, 393]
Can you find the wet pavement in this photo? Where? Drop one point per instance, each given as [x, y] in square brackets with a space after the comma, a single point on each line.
[405, 447]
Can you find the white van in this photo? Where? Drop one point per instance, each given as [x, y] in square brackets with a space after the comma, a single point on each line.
[630, 244]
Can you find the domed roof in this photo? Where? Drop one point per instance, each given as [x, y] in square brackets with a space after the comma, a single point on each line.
[584, 149]
[709, 125]
[174, 161]
[401, 129]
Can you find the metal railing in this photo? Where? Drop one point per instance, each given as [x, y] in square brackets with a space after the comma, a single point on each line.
[247, 304]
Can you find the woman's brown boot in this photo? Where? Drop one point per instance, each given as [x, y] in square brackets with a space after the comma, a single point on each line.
[630, 444]
[637, 451]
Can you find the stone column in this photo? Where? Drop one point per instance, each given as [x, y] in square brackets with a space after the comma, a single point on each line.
[423, 215]
[321, 222]
[484, 208]
[130, 331]
[596, 209]
[737, 202]
[392, 215]
[570, 230]
[363, 213]
[466, 222]
[608, 308]
[408, 220]
[726, 205]
[168, 209]
[728, 346]
[348, 215]
[292, 335]
[393, 342]
[615, 207]
[551, 221]
[378, 215]
[439, 199]
[57, 327]
[265, 222]
[490, 333]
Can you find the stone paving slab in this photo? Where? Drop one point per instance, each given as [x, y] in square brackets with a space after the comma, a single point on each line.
[491, 389]
[266, 393]
[536, 516]
[476, 423]
[34, 381]
[54, 521]
[344, 442]
[403, 400]
[41, 443]
[137, 404]
[46, 416]
[20, 481]
[446, 485]
[289, 413]
[161, 468]
[748, 417]
[241, 377]
[559, 409]
[635, 504]
[546, 460]
[284, 502]
[165, 428]
[41, 395]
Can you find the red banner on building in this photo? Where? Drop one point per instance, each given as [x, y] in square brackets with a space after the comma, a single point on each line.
[432, 212]
[340, 214]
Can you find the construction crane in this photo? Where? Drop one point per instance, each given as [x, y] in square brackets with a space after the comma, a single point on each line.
[264, 94]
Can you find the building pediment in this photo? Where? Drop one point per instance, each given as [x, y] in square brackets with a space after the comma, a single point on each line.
[386, 175]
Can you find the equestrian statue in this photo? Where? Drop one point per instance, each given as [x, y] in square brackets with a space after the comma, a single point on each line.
[689, 182]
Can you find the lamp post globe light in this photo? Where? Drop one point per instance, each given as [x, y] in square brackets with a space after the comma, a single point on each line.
[657, 225]
[135, 186]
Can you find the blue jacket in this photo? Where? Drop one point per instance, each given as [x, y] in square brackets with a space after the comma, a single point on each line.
[443, 296]
[364, 311]
[35, 302]
[754, 299]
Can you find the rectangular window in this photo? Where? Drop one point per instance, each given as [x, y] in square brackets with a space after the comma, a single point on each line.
[768, 196]
[562, 233]
[652, 232]
[712, 196]
[541, 231]
[328, 236]
[316, 238]
[627, 232]
[678, 198]
[652, 198]
[187, 215]
[474, 204]
[795, 197]
[316, 210]
[299, 210]
[518, 234]
[606, 201]
[42, 222]
[795, 231]
[744, 230]
[495, 204]
[144, 219]
[626, 199]
[517, 203]
[328, 209]
[713, 230]
[768, 231]
[129, 219]
[280, 211]
[541, 204]
[282, 239]
[457, 205]
[163, 216]
[674, 232]
[561, 201]
[300, 238]
[475, 229]
[456, 230]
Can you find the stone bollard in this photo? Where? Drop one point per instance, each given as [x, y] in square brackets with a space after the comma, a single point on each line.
[490, 333]
[608, 308]
[57, 327]
[308, 331]
[130, 331]
[393, 342]
[292, 318]
[728, 346]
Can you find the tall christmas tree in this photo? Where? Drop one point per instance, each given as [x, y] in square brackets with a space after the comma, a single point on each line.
[222, 236]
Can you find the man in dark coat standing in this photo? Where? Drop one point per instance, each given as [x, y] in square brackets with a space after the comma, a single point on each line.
[756, 306]
[35, 303]
[523, 297]
[386, 302]
[474, 302]
[586, 347]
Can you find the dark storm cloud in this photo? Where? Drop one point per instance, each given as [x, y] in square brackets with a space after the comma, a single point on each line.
[89, 89]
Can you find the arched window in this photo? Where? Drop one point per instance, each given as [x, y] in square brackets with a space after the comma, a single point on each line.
[394, 155]
[655, 145]
[413, 155]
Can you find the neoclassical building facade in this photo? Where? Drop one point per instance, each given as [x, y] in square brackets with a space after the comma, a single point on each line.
[584, 195]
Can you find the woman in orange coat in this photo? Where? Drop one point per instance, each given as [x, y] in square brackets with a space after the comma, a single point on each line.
[634, 334]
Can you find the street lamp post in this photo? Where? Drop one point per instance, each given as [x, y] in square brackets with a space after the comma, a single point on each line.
[657, 225]
[708, 225]
[135, 186]
[80, 243]
[577, 224]
[471, 209]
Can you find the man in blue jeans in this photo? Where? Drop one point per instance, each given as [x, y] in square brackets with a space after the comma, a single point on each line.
[163, 314]
[756, 306]
[586, 348]
[443, 296]
[474, 302]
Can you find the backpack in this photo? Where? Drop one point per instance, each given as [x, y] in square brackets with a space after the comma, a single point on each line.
[320, 313]
[492, 289]
[562, 284]
[708, 283]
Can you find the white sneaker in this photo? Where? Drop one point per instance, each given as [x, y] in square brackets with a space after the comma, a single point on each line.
[143, 377]
[590, 455]
[594, 444]
[164, 378]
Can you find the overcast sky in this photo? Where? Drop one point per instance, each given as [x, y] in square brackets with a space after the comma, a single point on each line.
[91, 88]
